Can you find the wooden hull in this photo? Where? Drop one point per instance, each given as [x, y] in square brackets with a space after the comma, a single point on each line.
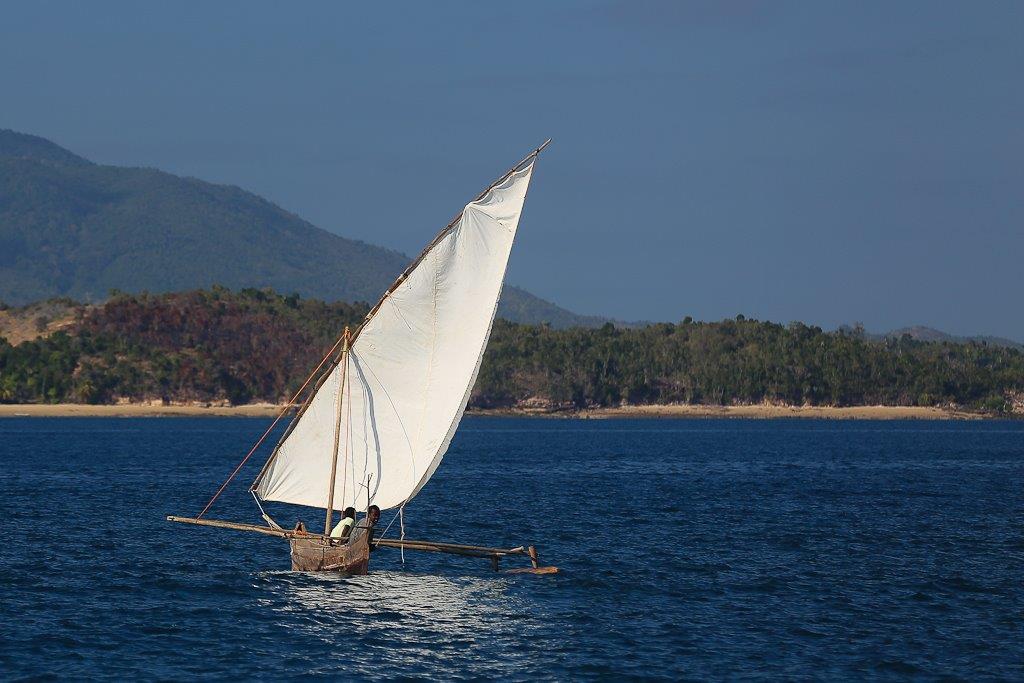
[319, 554]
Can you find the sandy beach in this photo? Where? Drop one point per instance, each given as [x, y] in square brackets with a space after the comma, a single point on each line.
[766, 412]
[649, 411]
[137, 410]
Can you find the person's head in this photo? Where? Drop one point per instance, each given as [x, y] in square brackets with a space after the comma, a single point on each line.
[350, 512]
[373, 513]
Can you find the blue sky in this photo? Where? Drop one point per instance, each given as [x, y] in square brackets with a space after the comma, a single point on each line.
[817, 161]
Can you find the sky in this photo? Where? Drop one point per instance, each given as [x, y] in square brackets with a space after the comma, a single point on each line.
[817, 161]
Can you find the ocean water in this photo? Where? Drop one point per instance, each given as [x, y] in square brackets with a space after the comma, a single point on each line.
[689, 550]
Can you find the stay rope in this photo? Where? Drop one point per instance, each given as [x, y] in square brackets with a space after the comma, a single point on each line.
[400, 516]
[401, 524]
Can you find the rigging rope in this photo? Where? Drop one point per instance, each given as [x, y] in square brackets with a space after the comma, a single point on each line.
[401, 524]
[383, 533]
[400, 516]
[263, 513]
[273, 424]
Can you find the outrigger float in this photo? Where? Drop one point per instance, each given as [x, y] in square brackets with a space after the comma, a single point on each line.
[387, 398]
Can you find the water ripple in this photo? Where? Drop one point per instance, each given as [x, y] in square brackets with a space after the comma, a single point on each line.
[689, 549]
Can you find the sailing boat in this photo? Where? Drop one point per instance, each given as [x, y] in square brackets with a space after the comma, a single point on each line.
[376, 416]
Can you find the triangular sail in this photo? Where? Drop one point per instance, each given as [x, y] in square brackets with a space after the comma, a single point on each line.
[410, 369]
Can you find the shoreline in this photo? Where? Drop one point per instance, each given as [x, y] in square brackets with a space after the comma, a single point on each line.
[774, 412]
[135, 410]
[761, 412]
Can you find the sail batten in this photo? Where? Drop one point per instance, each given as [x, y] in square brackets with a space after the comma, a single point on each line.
[410, 367]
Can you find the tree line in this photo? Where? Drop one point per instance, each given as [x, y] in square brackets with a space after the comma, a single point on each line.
[258, 345]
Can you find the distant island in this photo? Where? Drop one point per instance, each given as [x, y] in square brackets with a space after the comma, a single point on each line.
[225, 348]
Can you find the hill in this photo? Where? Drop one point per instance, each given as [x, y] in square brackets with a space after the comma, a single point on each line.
[930, 334]
[72, 228]
[253, 345]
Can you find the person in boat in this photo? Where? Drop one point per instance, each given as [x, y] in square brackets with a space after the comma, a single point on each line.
[343, 529]
[372, 517]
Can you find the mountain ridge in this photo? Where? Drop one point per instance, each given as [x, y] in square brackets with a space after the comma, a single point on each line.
[73, 228]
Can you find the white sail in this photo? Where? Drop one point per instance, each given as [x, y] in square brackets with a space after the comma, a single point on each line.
[410, 370]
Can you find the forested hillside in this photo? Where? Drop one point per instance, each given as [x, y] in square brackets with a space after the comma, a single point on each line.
[257, 345]
[72, 228]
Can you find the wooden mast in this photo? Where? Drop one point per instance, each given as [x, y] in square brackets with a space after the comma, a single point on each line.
[337, 433]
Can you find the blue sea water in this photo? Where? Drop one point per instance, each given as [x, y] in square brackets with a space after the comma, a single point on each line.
[689, 550]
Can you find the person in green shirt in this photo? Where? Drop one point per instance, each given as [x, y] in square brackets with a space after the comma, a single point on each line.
[344, 528]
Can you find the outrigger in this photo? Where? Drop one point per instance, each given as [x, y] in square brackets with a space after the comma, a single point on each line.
[389, 395]
[317, 552]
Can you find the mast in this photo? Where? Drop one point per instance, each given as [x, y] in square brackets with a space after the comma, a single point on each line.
[337, 433]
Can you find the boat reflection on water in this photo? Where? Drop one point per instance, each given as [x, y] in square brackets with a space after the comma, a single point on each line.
[399, 595]
[398, 615]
